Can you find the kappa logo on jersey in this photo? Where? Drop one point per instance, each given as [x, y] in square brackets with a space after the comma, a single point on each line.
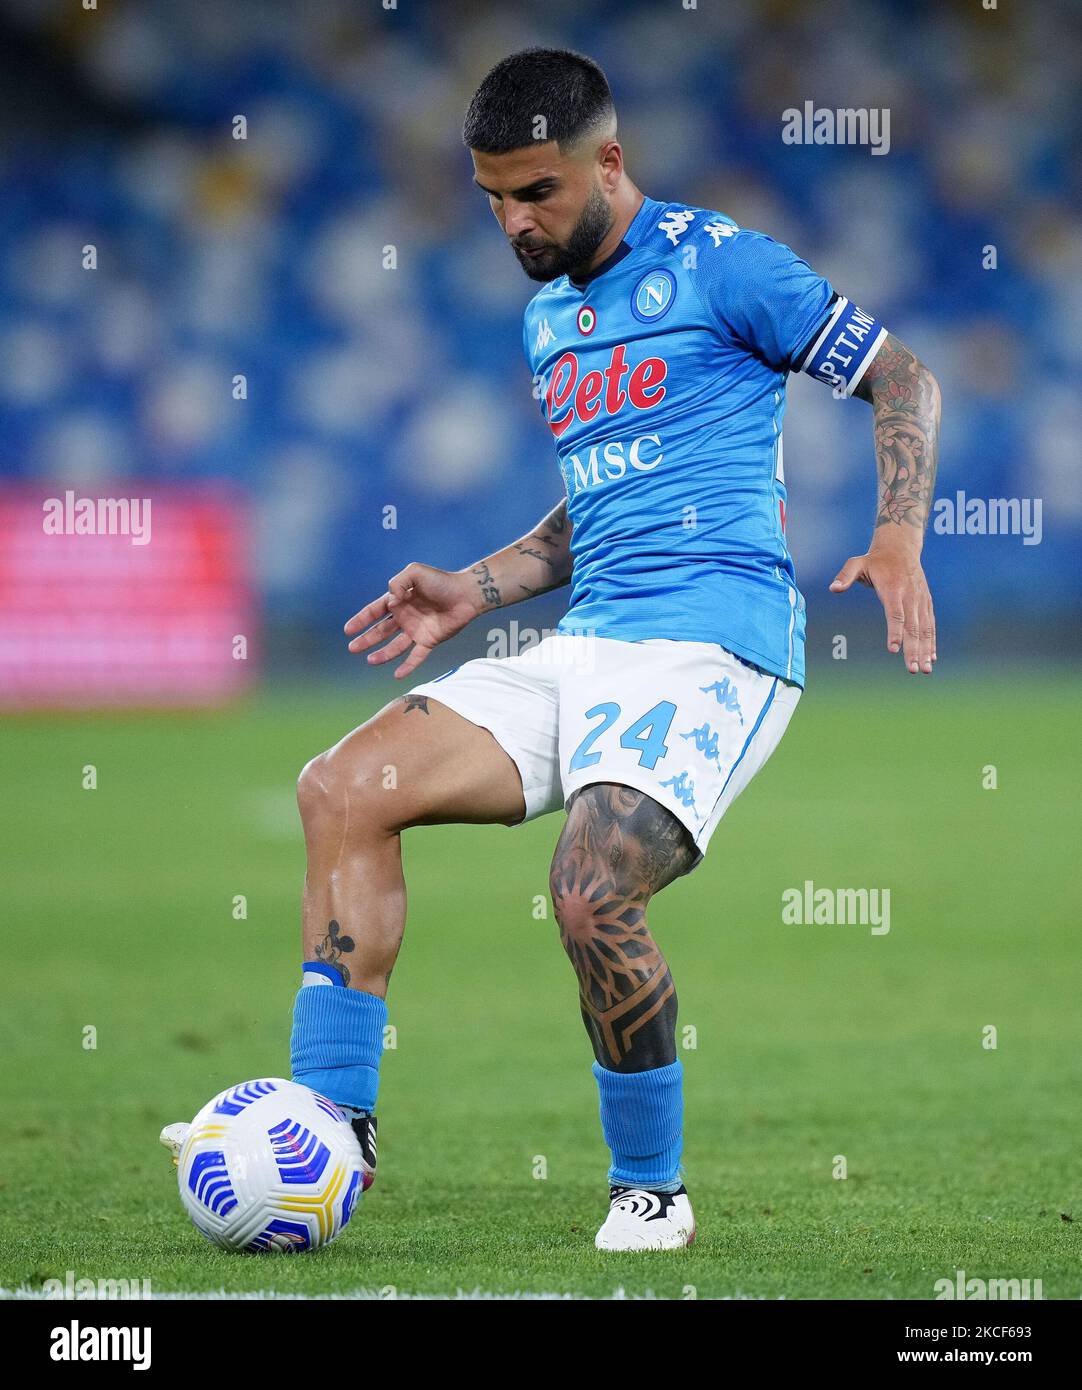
[570, 399]
[675, 224]
[545, 336]
[719, 231]
[653, 296]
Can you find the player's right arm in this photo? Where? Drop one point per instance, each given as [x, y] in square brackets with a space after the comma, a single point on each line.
[424, 606]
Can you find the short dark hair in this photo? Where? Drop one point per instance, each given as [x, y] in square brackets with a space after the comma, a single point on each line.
[567, 88]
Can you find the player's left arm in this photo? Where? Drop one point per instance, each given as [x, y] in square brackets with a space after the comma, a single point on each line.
[761, 295]
[904, 396]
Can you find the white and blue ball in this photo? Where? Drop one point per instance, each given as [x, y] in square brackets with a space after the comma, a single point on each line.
[270, 1165]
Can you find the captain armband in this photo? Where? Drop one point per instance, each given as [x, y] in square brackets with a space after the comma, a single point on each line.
[843, 348]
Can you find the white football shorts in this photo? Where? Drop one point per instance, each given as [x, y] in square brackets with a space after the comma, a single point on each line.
[688, 723]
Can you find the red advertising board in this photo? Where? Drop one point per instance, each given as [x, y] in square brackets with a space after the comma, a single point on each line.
[124, 595]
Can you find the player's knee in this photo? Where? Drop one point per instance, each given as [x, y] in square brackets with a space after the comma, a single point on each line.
[583, 895]
[337, 790]
[314, 793]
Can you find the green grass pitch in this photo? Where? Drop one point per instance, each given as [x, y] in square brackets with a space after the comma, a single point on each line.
[810, 1041]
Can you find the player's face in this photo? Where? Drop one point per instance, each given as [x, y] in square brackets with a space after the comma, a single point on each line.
[550, 205]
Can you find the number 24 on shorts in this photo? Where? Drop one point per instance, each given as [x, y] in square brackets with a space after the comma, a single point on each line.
[650, 747]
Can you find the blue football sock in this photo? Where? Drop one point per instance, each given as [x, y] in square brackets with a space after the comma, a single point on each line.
[337, 1041]
[642, 1119]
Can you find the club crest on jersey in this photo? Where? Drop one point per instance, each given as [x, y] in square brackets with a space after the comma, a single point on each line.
[653, 296]
[587, 320]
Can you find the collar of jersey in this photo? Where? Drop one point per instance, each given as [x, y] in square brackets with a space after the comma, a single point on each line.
[625, 248]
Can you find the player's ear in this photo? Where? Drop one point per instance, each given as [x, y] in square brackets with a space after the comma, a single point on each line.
[611, 159]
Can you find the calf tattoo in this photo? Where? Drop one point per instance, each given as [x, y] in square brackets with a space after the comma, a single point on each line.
[618, 848]
[333, 947]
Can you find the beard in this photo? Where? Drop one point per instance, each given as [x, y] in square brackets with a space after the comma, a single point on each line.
[574, 257]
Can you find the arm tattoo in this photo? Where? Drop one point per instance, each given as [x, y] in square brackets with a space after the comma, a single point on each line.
[333, 947]
[524, 549]
[905, 398]
[617, 849]
[489, 591]
[551, 534]
[548, 544]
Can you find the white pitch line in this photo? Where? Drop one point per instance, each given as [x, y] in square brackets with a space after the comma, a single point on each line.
[378, 1294]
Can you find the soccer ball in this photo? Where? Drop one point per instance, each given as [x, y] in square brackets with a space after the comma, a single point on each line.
[270, 1165]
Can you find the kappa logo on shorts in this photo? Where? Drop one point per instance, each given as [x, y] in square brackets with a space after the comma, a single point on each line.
[684, 791]
[726, 695]
[706, 741]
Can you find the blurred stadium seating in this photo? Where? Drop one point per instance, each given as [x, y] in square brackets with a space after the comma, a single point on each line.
[370, 387]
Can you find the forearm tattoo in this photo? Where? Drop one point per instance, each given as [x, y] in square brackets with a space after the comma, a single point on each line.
[905, 398]
[549, 543]
[617, 849]
[489, 590]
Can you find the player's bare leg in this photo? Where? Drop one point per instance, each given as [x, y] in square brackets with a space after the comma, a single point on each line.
[618, 848]
[415, 763]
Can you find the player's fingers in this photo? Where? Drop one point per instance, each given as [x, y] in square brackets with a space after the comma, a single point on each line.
[378, 632]
[847, 576]
[394, 648]
[368, 614]
[401, 586]
[419, 653]
[911, 631]
[927, 633]
[894, 608]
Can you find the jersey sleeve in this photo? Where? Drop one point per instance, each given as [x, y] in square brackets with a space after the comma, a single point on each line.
[526, 339]
[759, 291]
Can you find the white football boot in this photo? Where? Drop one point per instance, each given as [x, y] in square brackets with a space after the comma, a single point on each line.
[640, 1220]
[172, 1137]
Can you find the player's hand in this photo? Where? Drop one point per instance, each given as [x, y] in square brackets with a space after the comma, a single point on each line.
[892, 568]
[421, 608]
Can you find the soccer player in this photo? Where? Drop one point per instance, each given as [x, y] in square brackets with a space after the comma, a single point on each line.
[660, 343]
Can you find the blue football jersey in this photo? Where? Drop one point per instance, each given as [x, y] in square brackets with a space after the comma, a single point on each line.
[662, 378]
